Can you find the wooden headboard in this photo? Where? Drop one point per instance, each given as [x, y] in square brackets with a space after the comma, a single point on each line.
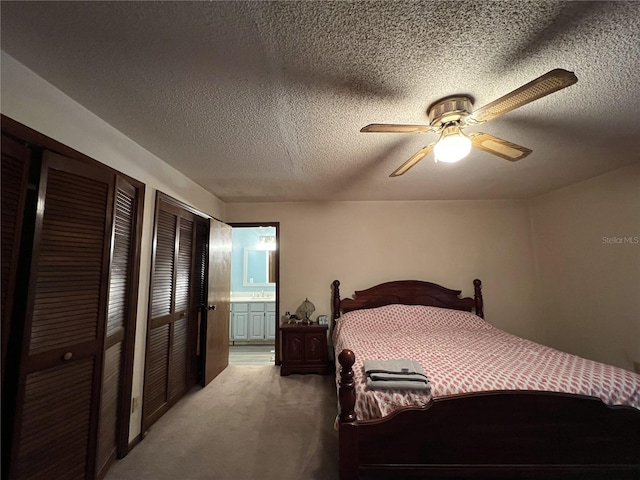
[407, 292]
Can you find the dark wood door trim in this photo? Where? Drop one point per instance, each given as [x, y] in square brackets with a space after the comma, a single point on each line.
[167, 199]
[41, 141]
[15, 156]
[278, 340]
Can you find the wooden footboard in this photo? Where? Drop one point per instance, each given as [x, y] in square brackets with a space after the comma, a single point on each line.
[503, 434]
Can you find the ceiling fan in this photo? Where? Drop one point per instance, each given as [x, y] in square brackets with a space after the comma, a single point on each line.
[450, 115]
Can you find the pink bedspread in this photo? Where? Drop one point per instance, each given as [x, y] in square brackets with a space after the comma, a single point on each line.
[461, 353]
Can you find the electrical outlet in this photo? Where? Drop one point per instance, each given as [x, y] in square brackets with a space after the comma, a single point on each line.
[135, 402]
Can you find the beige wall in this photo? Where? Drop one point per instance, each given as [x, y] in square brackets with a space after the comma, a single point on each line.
[366, 243]
[550, 268]
[31, 101]
[587, 285]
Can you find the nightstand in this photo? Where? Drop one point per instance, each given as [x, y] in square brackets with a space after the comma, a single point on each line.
[304, 349]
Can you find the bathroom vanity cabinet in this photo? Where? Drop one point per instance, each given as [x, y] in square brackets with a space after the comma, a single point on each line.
[252, 321]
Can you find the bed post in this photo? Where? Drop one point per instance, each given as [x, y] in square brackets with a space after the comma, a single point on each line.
[335, 303]
[348, 428]
[347, 386]
[477, 296]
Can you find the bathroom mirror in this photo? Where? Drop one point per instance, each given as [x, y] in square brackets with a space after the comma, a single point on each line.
[258, 268]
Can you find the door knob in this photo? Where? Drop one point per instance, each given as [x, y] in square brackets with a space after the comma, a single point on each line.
[212, 307]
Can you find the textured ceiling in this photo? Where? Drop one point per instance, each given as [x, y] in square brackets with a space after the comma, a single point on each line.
[263, 101]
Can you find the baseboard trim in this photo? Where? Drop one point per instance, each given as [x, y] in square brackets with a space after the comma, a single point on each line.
[133, 443]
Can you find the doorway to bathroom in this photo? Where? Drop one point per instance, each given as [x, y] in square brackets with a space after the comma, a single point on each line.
[254, 313]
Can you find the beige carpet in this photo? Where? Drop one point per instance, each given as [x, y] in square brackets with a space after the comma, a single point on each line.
[252, 355]
[249, 423]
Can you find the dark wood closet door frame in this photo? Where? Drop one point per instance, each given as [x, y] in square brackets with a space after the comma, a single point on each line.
[38, 141]
[17, 153]
[175, 207]
[276, 225]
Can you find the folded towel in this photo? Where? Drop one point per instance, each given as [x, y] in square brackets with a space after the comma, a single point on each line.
[397, 373]
[397, 377]
[399, 365]
[392, 385]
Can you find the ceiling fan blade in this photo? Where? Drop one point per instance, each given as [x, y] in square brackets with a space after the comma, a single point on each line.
[497, 146]
[548, 83]
[396, 128]
[419, 155]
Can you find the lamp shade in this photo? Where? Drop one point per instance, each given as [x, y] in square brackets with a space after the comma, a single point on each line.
[453, 145]
[305, 310]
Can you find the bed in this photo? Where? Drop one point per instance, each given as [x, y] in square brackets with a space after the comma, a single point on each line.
[554, 416]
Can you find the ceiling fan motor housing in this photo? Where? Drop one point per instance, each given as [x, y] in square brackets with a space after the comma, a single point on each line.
[451, 109]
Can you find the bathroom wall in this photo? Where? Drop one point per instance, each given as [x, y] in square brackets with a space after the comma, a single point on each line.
[247, 237]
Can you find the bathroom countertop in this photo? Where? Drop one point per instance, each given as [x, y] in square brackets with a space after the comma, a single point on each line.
[249, 298]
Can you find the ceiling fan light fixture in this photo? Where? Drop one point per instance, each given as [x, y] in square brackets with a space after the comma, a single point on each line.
[453, 145]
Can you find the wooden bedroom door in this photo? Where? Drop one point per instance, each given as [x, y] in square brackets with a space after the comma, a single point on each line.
[171, 362]
[59, 381]
[216, 354]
